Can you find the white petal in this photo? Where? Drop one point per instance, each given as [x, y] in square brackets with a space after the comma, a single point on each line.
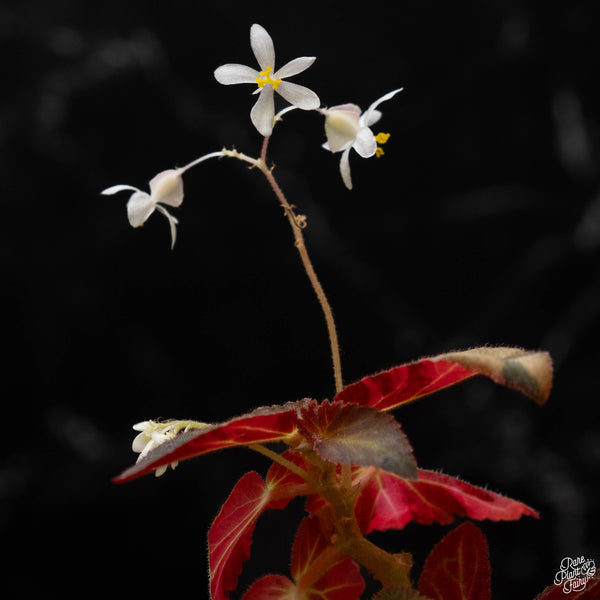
[172, 223]
[118, 188]
[294, 67]
[341, 128]
[279, 115]
[366, 118]
[139, 208]
[263, 112]
[160, 470]
[167, 187]
[345, 107]
[345, 168]
[262, 46]
[159, 437]
[365, 143]
[141, 426]
[299, 96]
[231, 74]
[139, 442]
[374, 116]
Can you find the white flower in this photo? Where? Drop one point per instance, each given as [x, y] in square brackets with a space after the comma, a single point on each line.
[267, 79]
[165, 188]
[152, 435]
[346, 128]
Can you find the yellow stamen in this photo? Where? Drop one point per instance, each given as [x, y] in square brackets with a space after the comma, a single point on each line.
[267, 79]
[381, 138]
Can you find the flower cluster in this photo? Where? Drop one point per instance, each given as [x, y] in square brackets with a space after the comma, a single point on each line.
[345, 126]
[154, 433]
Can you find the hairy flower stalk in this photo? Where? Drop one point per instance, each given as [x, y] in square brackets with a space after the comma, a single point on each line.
[297, 223]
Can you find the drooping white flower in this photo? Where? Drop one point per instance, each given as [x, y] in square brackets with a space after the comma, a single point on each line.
[165, 188]
[268, 80]
[347, 128]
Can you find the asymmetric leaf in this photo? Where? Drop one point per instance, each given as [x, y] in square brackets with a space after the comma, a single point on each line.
[390, 502]
[265, 424]
[357, 435]
[458, 568]
[230, 535]
[527, 372]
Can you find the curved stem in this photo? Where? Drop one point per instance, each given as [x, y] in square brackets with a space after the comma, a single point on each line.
[284, 462]
[218, 154]
[297, 224]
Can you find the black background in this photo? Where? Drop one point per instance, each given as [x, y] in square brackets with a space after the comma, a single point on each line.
[480, 225]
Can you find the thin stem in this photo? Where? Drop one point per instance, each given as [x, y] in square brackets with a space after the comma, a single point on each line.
[297, 223]
[288, 464]
[218, 154]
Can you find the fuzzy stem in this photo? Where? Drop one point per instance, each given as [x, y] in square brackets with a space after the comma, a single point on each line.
[389, 569]
[218, 154]
[297, 224]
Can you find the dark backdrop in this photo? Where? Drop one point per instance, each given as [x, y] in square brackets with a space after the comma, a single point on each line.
[481, 224]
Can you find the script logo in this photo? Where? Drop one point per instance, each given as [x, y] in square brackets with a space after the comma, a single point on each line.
[574, 573]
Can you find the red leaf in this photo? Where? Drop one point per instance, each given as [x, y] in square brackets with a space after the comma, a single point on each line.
[286, 484]
[527, 372]
[458, 568]
[273, 587]
[319, 572]
[266, 424]
[390, 502]
[230, 535]
[317, 568]
[342, 582]
[357, 435]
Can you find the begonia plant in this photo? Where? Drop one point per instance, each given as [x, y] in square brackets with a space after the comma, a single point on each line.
[348, 455]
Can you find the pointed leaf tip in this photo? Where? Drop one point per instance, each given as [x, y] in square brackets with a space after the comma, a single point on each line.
[528, 372]
[265, 424]
[391, 502]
